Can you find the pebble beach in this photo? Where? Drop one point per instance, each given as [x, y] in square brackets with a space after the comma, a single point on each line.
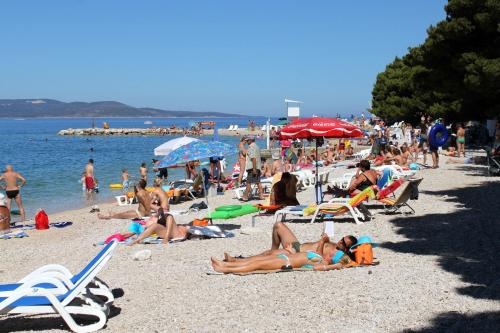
[437, 271]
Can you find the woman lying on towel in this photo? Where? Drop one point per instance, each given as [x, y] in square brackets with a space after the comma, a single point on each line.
[286, 260]
[165, 227]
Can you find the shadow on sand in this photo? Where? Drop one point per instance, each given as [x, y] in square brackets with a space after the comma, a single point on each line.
[466, 242]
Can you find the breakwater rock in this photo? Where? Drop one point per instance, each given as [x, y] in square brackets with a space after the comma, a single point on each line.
[153, 131]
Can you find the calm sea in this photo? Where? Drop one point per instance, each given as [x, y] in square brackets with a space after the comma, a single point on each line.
[52, 164]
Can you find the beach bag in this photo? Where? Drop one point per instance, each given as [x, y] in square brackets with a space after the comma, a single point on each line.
[200, 222]
[363, 254]
[41, 220]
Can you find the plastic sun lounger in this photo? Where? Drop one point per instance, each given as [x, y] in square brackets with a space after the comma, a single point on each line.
[266, 187]
[397, 171]
[32, 297]
[393, 205]
[343, 206]
[62, 274]
[336, 207]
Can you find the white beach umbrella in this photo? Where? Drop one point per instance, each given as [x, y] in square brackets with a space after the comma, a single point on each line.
[171, 145]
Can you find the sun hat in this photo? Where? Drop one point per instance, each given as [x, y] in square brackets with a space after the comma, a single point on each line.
[364, 240]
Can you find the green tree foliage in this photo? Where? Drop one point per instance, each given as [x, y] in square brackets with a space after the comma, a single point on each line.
[454, 74]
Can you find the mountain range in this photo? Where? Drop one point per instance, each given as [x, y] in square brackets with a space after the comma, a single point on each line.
[45, 108]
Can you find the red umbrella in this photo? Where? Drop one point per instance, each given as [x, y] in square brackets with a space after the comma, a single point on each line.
[316, 127]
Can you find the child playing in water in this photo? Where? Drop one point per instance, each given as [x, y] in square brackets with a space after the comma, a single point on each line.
[125, 179]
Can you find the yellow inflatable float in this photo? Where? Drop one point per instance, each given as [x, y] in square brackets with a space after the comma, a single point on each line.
[115, 185]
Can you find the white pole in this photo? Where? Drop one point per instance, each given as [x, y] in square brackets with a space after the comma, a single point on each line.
[268, 125]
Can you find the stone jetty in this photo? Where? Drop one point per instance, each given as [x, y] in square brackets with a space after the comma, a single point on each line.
[152, 131]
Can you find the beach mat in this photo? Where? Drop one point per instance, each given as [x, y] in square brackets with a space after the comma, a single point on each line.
[211, 231]
[11, 235]
[211, 271]
[32, 226]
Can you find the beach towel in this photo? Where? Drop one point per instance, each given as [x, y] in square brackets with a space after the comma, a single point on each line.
[211, 231]
[61, 224]
[20, 234]
[24, 227]
[53, 224]
[211, 271]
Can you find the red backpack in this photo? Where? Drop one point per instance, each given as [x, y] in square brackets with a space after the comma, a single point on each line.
[41, 220]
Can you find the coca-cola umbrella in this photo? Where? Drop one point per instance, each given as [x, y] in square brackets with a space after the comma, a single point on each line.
[309, 128]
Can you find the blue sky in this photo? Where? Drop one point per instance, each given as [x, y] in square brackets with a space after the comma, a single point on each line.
[228, 56]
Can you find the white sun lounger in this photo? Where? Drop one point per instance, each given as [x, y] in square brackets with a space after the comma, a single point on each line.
[62, 274]
[44, 293]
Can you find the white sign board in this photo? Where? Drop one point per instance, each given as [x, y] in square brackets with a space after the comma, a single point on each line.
[293, 111]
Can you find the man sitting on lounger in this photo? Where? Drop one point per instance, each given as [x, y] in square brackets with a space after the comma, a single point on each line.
[143, 210]
[284, 237]
[159, 198]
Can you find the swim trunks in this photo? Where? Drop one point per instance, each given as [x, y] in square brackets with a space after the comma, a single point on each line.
[11, 194]
[89, 183]
[253, 178]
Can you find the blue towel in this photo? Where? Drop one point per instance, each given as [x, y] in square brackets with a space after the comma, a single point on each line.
[297, 208]
[61, 224]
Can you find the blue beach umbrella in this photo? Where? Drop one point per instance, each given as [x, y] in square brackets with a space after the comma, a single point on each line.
[197, 150]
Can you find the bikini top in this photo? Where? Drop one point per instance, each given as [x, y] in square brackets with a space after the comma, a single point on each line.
[337, 257]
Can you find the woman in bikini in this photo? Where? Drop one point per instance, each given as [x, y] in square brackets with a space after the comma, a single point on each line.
[461, 140]
[165, 227]
[286, 259]
[241, 159]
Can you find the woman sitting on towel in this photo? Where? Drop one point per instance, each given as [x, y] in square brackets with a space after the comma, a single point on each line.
[286, 260]
[165, 227]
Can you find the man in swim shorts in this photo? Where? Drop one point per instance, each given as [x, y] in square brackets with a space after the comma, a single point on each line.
[143, 210]
[253, 166]
[89, 176]
[11, 177]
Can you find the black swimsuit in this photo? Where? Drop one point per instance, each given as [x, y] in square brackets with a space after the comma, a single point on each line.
[162, 217]
[12, 194]
[365, 183]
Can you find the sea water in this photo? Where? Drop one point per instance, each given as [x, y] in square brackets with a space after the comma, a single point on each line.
[53, 165]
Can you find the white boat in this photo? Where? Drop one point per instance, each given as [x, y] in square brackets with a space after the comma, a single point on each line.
[148, 122]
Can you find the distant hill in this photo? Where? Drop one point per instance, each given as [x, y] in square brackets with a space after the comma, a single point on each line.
[44, 108]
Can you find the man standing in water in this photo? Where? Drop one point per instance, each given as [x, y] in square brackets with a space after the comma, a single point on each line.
[89, 176]
[10, 177]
